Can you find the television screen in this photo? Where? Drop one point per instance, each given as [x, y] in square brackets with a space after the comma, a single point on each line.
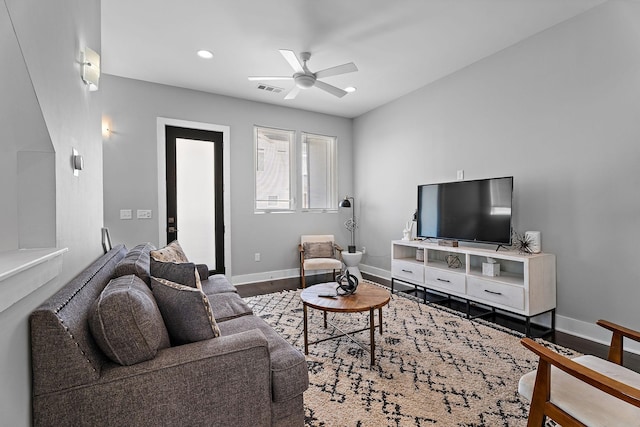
[475, 211]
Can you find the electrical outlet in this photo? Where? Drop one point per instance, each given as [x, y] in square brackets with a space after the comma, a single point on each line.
[143, 213]
[256, 257]
[364, 250]
[460, 175]
[126, 214]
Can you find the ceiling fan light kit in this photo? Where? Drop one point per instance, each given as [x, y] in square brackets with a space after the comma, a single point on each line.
[305, 79]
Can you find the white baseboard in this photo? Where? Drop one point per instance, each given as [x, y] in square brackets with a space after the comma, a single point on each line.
[592, 332]
[579, 328]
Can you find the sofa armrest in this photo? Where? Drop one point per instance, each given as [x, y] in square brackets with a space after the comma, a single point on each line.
[222, 381]
[203, 271]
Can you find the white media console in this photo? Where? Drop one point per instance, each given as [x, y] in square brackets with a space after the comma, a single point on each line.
[526, 285]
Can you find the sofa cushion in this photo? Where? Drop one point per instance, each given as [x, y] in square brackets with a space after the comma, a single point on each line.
[318, 250]
[186, 311]
[289, 371]
[126, 322]
[227, 306]
[136, 262]
[217, 284]
[184, 273]
[172, 252]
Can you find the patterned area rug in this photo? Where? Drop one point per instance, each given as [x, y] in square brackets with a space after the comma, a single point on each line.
[434, 367]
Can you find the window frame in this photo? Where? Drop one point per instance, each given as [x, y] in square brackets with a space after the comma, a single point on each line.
[291, 173]
[332, 183]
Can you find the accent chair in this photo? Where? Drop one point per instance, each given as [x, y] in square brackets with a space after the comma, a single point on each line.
[585, 391]
[318, 252]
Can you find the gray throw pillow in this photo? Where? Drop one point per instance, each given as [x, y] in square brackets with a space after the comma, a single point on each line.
[318, 250]
[126, 322]
[136, 262]
[186, 312]
[184, 273]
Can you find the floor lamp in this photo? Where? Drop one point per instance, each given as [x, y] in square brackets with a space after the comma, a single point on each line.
[350, 224]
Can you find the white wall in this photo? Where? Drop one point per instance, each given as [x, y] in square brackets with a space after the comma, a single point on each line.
[558, 111]
[130, 169]
[60, 114]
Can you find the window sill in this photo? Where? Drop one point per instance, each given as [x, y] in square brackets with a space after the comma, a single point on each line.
[25, 270]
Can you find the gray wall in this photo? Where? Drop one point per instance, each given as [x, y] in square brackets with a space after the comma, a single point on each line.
[130, 169]
[46, 109]
[558, 111]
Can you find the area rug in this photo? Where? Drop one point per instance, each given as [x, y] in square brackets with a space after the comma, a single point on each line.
[433, 366]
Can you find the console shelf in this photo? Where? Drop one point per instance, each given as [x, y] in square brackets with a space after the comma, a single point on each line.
[526, 285]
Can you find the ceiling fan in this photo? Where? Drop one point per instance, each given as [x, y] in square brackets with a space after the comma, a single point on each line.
[305, 79]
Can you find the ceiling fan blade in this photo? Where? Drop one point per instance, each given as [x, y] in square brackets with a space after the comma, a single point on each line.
[293, 60]
[257, 78]
[334, 71]
[293, 93]
[331, 89]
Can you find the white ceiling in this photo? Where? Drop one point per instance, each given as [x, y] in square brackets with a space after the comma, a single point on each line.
[397, 45]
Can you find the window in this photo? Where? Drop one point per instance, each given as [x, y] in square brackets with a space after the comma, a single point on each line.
[319, 183]
[274, 163]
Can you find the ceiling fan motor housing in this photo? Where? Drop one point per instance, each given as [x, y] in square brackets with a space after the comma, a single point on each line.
[304, 81]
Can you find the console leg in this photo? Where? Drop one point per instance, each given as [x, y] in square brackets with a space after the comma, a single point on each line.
[306, 341]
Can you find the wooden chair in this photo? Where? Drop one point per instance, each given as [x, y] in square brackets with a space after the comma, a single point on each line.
[318, 252]
[585, 391]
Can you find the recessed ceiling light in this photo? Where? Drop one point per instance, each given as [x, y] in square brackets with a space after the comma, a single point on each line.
[205, 54]
[350, 89]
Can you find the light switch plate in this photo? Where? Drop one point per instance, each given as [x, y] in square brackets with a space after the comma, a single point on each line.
[143, 213]
[126, 214]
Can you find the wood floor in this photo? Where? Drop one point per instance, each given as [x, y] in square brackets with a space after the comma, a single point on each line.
[631, 360]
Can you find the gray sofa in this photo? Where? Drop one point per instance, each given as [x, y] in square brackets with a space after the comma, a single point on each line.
[248, 376]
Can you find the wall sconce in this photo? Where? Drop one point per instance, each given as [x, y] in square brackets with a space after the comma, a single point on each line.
[91, 68]
[106, 128]
[77, 162]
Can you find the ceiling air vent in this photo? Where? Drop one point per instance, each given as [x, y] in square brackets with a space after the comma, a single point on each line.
[268, 88]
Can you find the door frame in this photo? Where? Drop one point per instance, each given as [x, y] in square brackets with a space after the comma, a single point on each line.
[162, 183]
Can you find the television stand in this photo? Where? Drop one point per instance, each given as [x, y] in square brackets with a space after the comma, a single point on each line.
[525, 287]
[501, 246]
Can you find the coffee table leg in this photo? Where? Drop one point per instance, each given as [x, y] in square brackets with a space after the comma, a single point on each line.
[372, 327]
[325, 319]
[306, 341]
[380, 319]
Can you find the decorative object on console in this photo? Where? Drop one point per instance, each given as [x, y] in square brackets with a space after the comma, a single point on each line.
[490, 268]
[350, 224]
[419, 254]
[450, 243]
[347, 284]
[522, 243]
[534, 238]
[453, 261]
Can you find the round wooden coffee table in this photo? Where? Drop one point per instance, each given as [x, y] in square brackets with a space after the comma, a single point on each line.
[366, 298]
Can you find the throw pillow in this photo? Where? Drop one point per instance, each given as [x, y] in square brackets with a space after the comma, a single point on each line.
[126, 322]
[172, 252]
[318, 250]
[136, 262]
[186, 312]
[184, 273]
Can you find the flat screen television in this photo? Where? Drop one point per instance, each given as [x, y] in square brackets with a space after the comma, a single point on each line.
[472, 211]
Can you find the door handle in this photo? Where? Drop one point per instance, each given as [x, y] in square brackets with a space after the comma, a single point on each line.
[172, 229]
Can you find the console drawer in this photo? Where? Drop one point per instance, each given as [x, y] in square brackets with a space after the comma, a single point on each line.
[408, 270]
[447, 281]
[501, 293]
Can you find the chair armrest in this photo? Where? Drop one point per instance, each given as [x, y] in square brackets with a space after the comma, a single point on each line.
[608, 385]
[338, 247]
[616, 349]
